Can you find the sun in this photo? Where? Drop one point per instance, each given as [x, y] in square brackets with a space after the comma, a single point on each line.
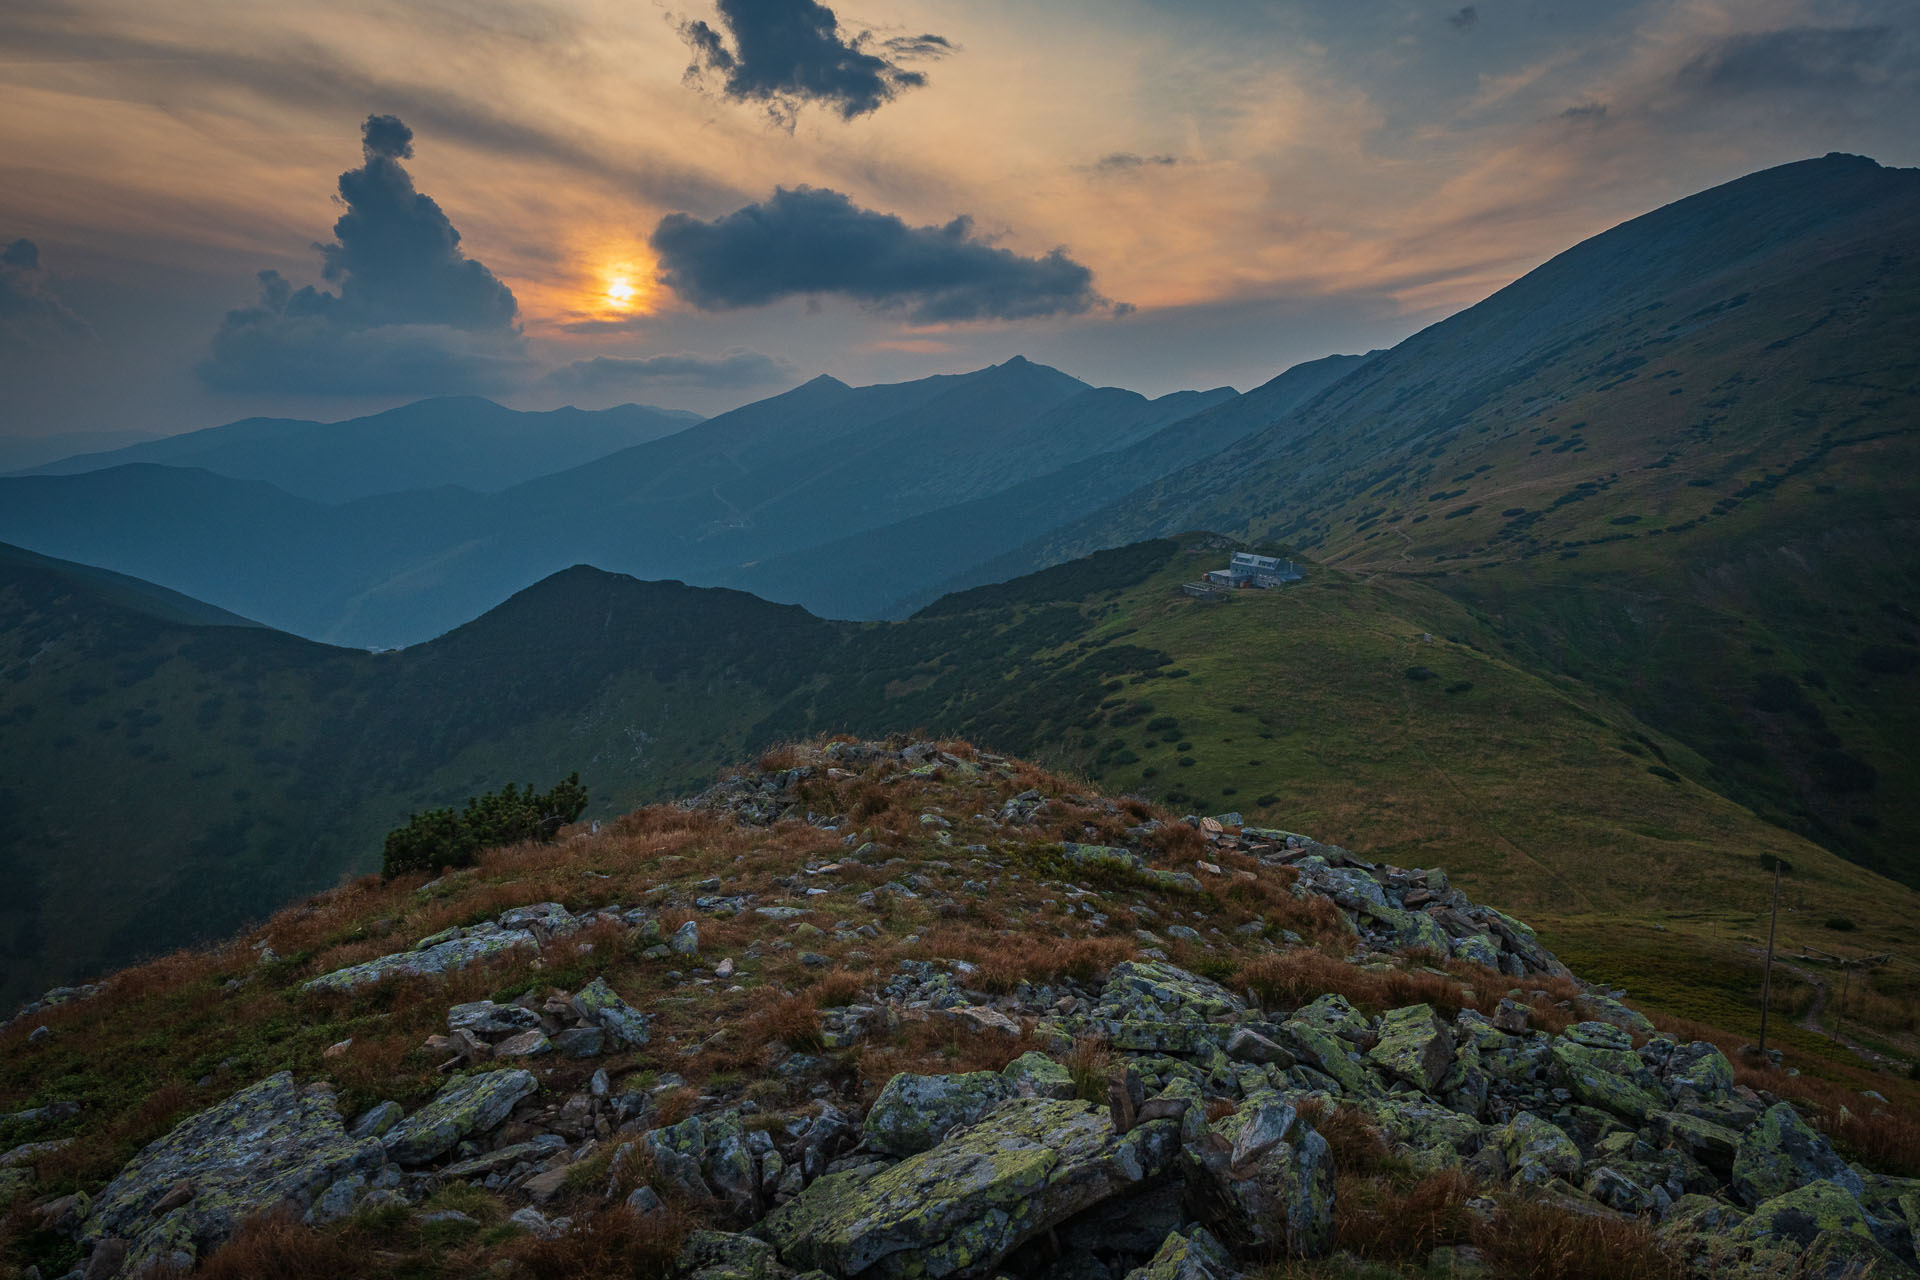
[620, 293]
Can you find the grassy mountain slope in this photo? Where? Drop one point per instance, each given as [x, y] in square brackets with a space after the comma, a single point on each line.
[456, 440]
[1676, 462]
[1293, 707]
[891, 571]
[816, 975]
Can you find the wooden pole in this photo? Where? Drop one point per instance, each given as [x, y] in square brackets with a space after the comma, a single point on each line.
[1766, 980]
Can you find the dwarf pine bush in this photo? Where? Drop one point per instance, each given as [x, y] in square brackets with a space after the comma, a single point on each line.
[442, 838]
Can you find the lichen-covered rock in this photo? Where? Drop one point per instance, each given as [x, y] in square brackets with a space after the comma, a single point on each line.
[1712, 1145]
[723, 1255]
[1701, 1067]
[1328, 1054]
[488, 1021]
[1602, 1008]
[482, 942]
[1336, 1016]
[1819, 1230]
[1603, 1071]
[956, 1210]
[601, 1005]
[1034, 1074]
[914, 1112]
[1188, 1255]
[470, 1105]
[706, 1157]
[1537, 1151]
[1433, 1135]
[269, 1146]
[1783, 1152]
[1414, 1046]
[1263, 1179]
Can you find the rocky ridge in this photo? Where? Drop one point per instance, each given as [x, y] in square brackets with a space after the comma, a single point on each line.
[1148, 1120]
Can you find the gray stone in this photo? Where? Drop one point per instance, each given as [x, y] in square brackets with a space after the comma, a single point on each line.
[526, 1044]
[600, 1004]
[1783, 1153]
[580, 1042]
[913, 1112]
[480, 944]
[1247, 1045]
[1036, 1075]
[474, 1104]
[958, 1209]
[490, 1021]
[269, 1146]
[685, 940]
[377, 1119]
[1190, 1255]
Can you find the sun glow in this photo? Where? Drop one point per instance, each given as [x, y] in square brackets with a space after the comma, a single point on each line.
[620, 293]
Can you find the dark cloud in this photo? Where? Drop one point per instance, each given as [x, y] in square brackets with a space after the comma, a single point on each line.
[1827, 59]
[1589, 112]
[1463, 19]
[784, 53]
[412, 312]
[31, 313]
[732, 370]
[1126, 161]
[920, 46]
[812, 242]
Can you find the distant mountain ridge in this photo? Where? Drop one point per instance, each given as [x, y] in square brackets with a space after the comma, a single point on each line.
[461, 440]
[800, 469]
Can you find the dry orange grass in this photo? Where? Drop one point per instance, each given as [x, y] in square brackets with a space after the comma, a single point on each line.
[1374, 1219]
[612, 1242]
[1538, 1241]
[276, 1246]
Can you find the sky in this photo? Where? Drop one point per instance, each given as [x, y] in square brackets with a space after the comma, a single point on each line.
[242, 207]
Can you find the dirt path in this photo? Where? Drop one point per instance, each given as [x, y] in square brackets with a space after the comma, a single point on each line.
[1810, 1020]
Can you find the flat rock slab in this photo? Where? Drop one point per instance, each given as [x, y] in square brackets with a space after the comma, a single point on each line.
[443, 957]
[957, 1210]
[268, 1146]
[467, 1106]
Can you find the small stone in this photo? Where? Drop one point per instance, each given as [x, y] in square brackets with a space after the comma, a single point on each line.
[685, 940]
[527, 1044]
[338, 1049]
[580, 1042]
[724, 969]
[645, 1200]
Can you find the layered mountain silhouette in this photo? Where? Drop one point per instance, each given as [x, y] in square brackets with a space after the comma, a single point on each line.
[458, 440]
[813, 465]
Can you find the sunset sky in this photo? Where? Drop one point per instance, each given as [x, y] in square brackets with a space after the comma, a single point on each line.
[695, 205]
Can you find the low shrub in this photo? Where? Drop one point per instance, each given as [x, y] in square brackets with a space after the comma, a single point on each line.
[442, 838]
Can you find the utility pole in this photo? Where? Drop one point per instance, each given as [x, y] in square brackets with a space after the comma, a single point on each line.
[1766, 980]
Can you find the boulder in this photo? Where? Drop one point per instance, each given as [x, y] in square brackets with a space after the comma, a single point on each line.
[1034, 1074]
[914, 1112]
[470, 1105]
[1819, 1224]
[483, 942]
[685, 940]
[1602, 1071]
[707, 1158]
[1536, 1151]
[490, 1021]
[1783, 1152]
[1263, 1179]
[270, 1146]
[1713, 1145]
[1190, 1255]
[1248, 1045]
[1701, 1067]
[1414, 1046]
[600, 1004]
[957, 1210]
